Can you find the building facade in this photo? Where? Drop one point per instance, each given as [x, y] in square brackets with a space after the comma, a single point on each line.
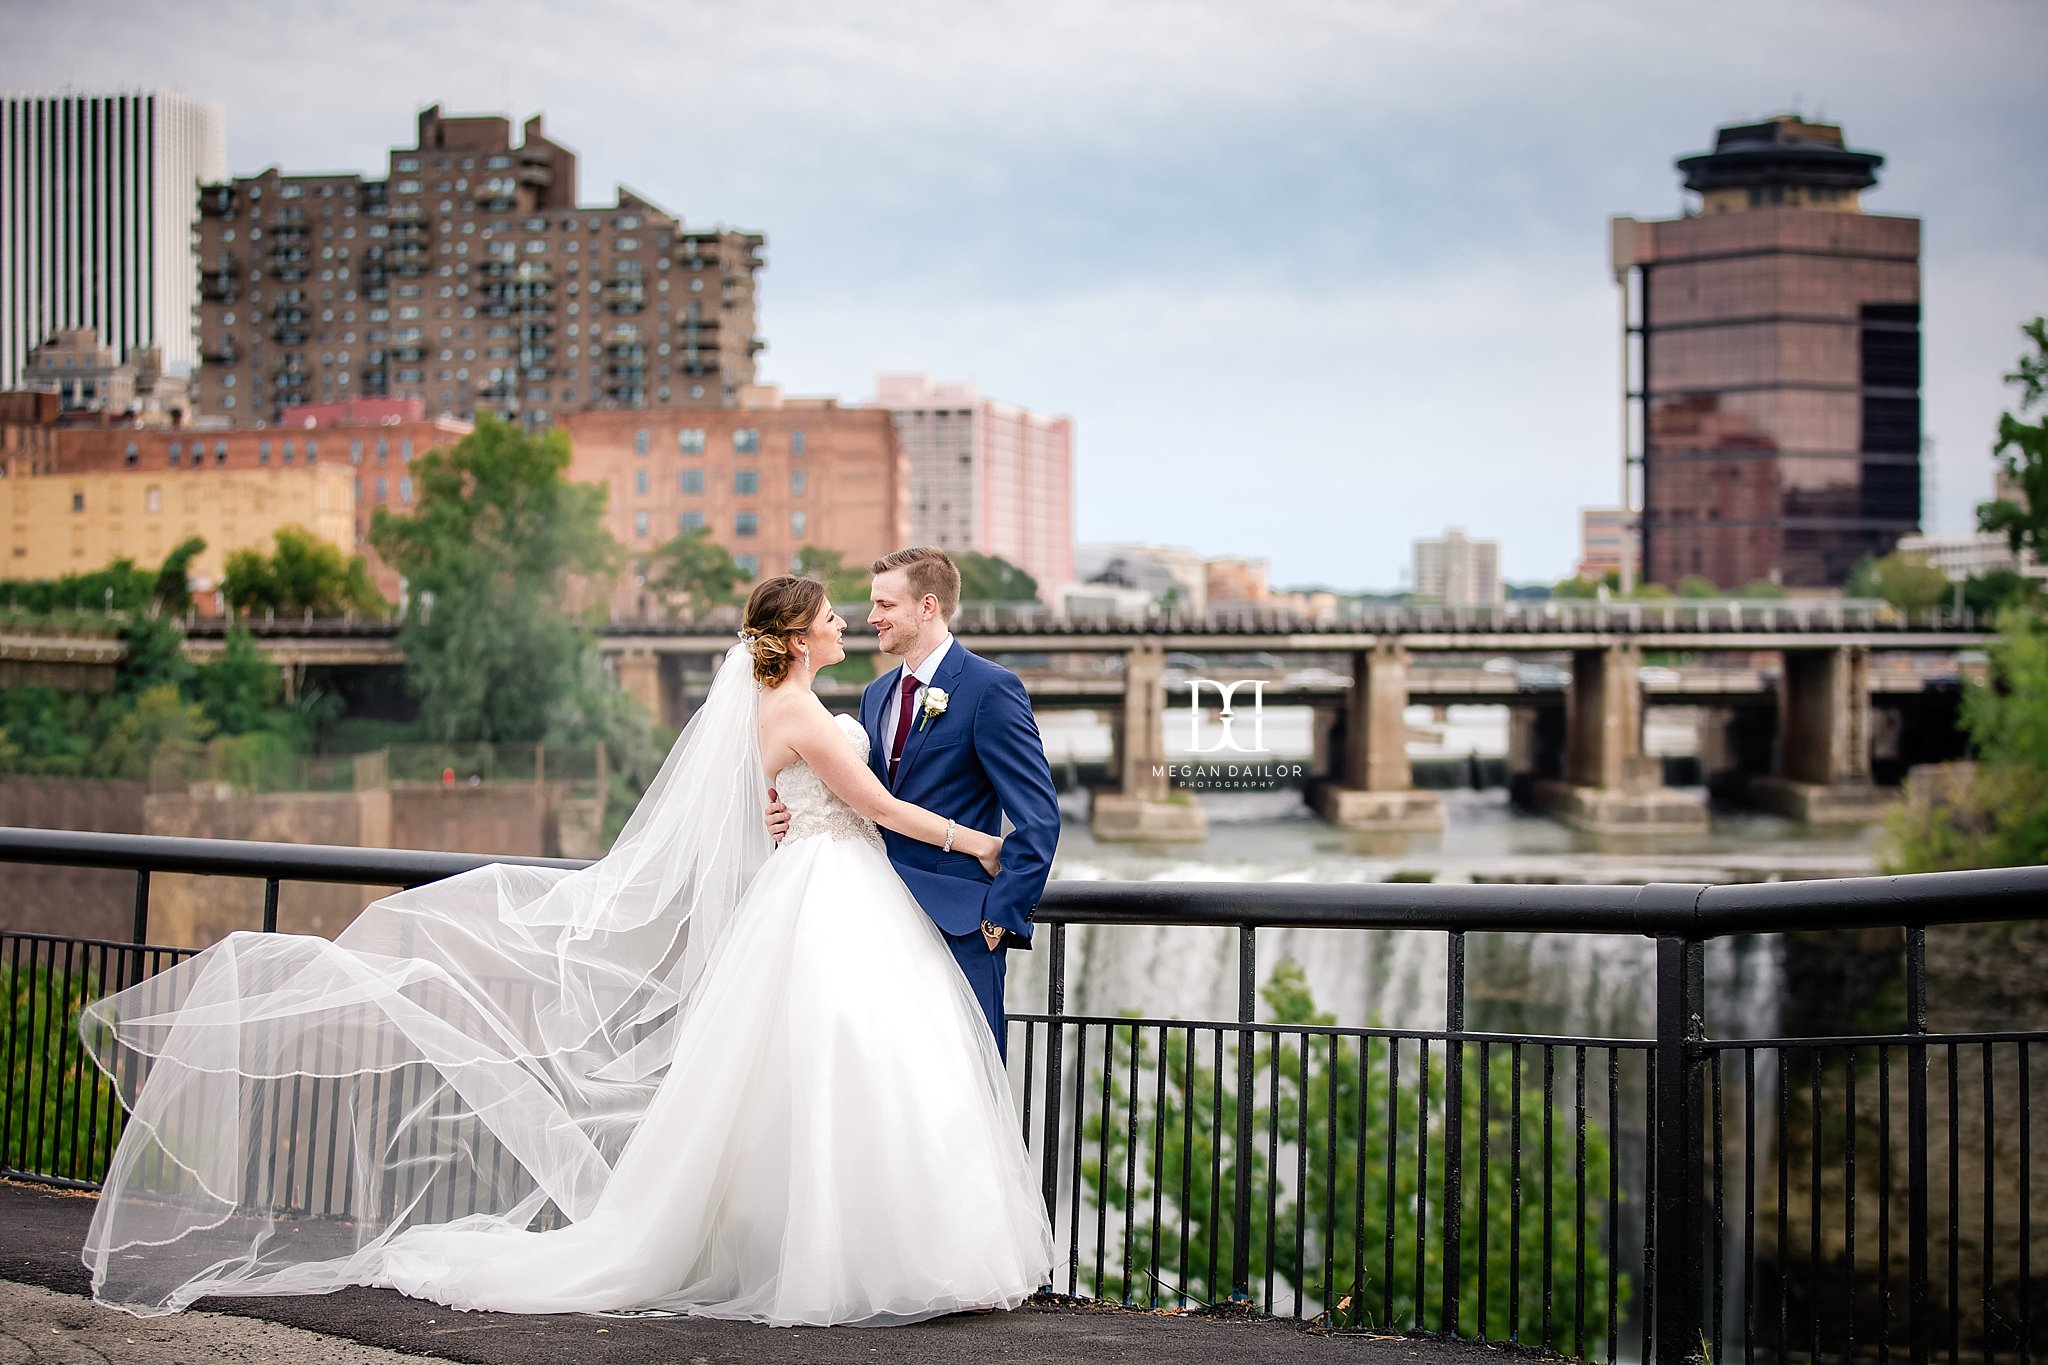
[88, 378]
[66, 522]
[98, 197]
[986, 476]
[373, 460]
[765, 479]
[469, 277]
[1607, 545]
[1774, 342]
[1457, 571]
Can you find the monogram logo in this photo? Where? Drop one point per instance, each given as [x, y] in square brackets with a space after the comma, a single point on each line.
[1226, 693]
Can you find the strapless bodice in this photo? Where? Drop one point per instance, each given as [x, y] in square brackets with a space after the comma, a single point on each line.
[814, 812]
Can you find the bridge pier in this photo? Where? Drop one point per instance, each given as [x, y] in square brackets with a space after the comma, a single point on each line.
[1610, 786]
[1371, 782]
[1824, 725]
[1143, 806]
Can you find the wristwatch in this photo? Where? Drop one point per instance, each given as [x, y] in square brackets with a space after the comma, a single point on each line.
[988, 928]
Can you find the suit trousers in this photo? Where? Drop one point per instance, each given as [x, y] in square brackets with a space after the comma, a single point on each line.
[984, 971]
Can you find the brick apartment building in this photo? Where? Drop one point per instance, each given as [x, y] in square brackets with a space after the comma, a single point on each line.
[467, 277]
[766, 479]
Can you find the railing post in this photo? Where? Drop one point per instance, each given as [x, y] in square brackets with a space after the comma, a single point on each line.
[1055, 1056]
[1454, 1134]
[1916, 1143]
[1241, 1205]
[1681, 1026]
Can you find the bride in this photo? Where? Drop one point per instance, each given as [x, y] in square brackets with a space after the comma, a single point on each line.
[690, 1076]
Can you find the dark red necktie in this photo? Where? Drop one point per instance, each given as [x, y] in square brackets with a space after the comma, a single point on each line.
[903, 722]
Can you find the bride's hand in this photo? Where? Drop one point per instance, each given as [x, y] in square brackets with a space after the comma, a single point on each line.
[992, 861]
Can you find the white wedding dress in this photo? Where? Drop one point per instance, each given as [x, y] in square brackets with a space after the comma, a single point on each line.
[691, 1076]
[834, 1141]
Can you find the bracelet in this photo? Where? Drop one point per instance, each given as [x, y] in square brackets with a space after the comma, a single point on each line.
[947, 847]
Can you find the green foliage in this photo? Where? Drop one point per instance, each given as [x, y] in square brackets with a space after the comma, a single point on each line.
[1585, 589]
[118, 587]
[2022, 452]
[1695, 586]
[991, 578]
[62, 1114]
[173, 593]
[1906, 581]
[159, 716]
[241, 689]
[1761, 589]
[694, 573]
[1988, 593]
[1193, 1135]
[491, 548]
[842, 584]
[303, 574]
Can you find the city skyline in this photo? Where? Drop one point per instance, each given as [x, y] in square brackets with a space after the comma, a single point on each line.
[1347, 250]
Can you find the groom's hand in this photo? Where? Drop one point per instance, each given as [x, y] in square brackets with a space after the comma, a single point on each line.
[778, 817]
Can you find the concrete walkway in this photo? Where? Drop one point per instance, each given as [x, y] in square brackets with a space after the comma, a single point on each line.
[48, 1316]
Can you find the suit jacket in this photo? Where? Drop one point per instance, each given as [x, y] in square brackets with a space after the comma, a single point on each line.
[980, 760]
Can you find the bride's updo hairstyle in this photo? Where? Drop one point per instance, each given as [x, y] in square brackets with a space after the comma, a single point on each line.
[778, 610]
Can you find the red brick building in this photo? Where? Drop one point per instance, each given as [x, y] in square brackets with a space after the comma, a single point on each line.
[766, 479]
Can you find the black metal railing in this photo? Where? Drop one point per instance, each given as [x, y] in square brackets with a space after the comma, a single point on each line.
[1857, 1195]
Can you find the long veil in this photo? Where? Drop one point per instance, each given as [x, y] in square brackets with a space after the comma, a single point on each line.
[479, 1047]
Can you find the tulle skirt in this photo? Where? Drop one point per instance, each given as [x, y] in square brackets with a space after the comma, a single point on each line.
[833, 1140]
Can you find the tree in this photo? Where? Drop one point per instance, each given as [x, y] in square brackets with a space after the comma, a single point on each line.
[173, 595]
[239, 691]
[694, 573]
[159, 716]
[1761, 588]
[1986, 593]
[302, 574]
[495, 540]
[2022, 453]
[1188, 1144]
[991, 578]
[829, 567]
[1908, 582]
[1696, 586]
[1576, 590]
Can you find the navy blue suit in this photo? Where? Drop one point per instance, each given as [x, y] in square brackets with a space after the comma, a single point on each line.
[980, 760]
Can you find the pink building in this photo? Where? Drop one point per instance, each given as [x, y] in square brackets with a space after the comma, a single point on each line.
[986, 476]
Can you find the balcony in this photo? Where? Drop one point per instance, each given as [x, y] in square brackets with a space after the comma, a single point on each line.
[698, 368]
[221, 352]
[289, 334]
[409, 354]
[376, 380]
[216, 201]
[536, 374]
[536, 171]
[635, 374]
[217, 286]
[629, 395]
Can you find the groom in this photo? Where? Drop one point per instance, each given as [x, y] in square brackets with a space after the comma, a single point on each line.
[954, 733]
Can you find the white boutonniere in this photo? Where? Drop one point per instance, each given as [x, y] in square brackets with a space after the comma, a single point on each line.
[933, 707]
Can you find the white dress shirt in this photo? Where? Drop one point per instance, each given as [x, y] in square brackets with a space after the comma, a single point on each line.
[892, 708]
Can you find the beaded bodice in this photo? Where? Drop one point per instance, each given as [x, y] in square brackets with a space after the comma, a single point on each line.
[814, 812]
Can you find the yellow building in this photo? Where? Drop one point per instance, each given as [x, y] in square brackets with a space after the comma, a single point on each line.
[57, 524]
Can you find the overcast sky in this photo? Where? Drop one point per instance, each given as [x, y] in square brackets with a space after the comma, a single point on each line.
[1313, 277]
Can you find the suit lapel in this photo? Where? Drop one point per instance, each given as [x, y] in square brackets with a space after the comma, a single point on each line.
[871, 720]
[949, 669]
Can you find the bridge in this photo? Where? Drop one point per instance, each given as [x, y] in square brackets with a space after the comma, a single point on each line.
[1794, 734]
[1659, 1195]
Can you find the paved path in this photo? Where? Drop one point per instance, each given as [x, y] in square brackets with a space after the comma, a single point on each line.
[47, 1317]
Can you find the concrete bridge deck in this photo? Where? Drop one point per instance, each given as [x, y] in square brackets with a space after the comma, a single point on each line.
[46, 1315]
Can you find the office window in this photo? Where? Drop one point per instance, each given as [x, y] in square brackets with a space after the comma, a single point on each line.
[263, 451]
[691, 439]
[383, 489]
[796, 524]
[197, 451]
[405, 489]
[640, 482]
[640, 442]
[220, 452]
[289, 452]
[796, 442]
[745, 524]
[689, 521]
[750, 565]
[355, 452]
[746, 441]
[796, 482]
[383, 450]
[693, 481]
[746, 481]
[640, 523]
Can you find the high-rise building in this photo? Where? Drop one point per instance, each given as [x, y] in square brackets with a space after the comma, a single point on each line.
[469, 277]
[1774, 363]
[986, 476]
[98, 195]
[1457, 571]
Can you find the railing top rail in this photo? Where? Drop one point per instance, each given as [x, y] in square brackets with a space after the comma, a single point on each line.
[1683, 909]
